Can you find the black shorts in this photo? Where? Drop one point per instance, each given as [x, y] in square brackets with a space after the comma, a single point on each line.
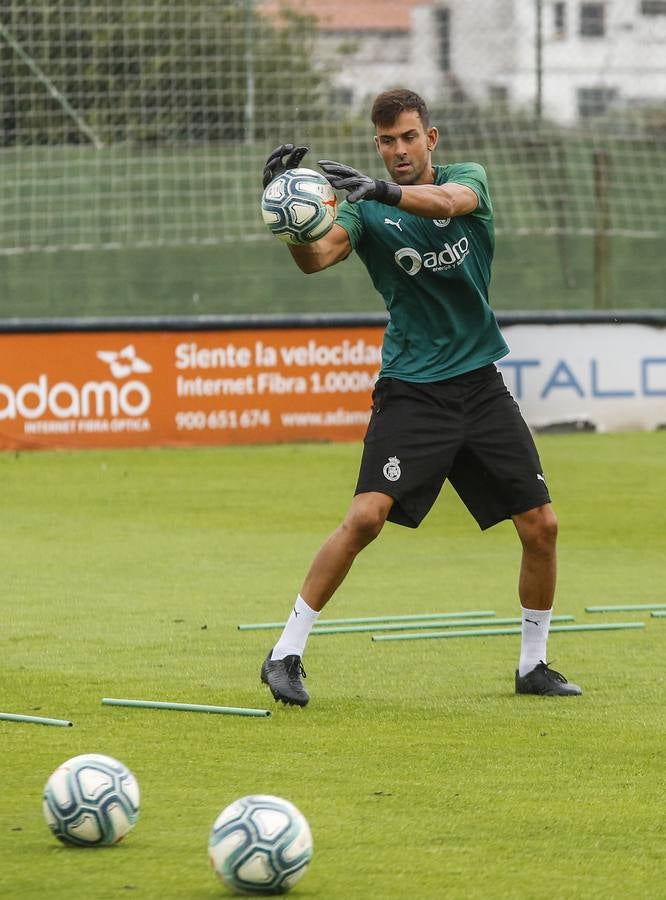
[468, 429]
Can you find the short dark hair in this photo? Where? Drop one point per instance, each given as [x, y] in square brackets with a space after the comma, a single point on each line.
[388, 106]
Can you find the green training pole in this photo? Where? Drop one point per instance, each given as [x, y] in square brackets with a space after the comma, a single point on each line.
[187, 707]
[631, 607]
[36, 720]
[472, 632]
[491, 632]
[404, 626]
[422, 617]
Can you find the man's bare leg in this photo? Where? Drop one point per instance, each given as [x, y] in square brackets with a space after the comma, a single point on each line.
[362, 524]
[537, 529]
[282, 669]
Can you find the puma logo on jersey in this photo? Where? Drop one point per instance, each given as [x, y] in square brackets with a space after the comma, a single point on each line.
[397, 224]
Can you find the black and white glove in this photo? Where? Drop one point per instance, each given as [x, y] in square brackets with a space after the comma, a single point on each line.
[360, 187]
[284, 157]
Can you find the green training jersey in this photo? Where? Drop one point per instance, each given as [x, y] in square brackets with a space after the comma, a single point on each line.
[433, 275]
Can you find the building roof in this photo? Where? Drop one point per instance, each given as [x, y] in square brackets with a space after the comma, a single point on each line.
[351, 15]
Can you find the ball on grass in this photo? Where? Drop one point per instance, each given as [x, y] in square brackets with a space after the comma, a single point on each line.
[260, 844]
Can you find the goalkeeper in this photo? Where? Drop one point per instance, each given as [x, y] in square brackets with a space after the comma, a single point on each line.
[440, 408]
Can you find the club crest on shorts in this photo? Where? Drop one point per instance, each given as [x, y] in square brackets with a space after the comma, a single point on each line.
[392, 469]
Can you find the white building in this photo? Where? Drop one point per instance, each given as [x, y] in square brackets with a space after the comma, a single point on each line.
[590, 56]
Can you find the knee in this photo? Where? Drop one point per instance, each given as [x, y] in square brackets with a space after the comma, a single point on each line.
[363, 523]
[538, 529]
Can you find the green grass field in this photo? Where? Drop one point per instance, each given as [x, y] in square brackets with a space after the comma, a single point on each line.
[422, 775]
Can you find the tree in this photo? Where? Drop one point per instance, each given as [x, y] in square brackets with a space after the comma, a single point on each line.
[169, 71]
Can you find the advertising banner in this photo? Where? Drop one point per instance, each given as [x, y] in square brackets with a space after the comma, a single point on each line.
[609, 376]
[183, 388]
[135, 389]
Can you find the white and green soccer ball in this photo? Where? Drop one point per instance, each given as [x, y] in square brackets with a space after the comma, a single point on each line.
[299, 206]
[260, 844]
[91, 800]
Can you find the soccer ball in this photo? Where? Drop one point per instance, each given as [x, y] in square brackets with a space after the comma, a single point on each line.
[299, 206]
[260, 845]
[91, 800]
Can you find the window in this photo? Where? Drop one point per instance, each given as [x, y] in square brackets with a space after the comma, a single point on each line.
[595, 101]
[443, 32]
[498, 94]
[653, 8]
[592, 19]
[560, 19]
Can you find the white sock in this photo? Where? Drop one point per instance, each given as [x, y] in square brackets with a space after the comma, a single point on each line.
[296, 631]
[536, 623]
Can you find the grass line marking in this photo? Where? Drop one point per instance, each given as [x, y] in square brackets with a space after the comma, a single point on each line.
[187, 707]
[488, 632]
[36, 720]
[420, 617]
[404, 626]
[625, 608]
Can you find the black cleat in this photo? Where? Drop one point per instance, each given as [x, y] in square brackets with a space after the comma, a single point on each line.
[547, 682]
[283, 677]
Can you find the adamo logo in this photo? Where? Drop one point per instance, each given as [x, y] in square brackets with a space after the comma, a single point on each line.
[449, 257]
[91, 399]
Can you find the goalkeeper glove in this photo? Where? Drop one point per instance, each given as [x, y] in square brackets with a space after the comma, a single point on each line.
[360, 187]
[284, 157]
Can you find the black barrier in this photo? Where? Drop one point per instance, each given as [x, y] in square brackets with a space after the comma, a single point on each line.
[652, 317]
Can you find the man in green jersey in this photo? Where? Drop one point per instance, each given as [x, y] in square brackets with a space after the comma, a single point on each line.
[440, 407]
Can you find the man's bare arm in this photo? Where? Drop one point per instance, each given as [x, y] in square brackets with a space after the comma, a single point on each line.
[327, 251]
[431, 201]
[438, 201]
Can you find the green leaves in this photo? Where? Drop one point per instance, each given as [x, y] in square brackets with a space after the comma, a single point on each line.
[126, 72]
